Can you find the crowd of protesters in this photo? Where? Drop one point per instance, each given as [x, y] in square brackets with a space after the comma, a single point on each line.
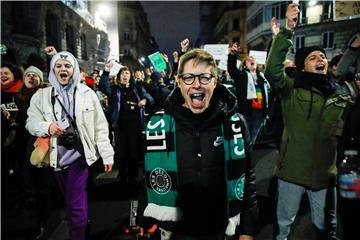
[315, 102]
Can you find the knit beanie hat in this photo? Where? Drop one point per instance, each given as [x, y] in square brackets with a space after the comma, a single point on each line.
[34, 70]
[302, 53]
[65, 56]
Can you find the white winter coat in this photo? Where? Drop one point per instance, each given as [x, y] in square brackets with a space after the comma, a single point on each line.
[90, 119]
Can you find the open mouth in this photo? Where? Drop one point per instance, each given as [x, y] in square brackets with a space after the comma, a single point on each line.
[320, 67]
[197, 100]
[197, 96]
[63, 75]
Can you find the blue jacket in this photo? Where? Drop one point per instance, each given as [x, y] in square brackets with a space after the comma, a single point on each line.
[114, 95]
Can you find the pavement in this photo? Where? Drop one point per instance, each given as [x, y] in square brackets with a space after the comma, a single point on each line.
[109, 204]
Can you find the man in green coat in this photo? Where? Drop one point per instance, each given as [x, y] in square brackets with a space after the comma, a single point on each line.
[313, 108]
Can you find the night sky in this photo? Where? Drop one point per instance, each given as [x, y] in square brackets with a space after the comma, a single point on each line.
[171, 22]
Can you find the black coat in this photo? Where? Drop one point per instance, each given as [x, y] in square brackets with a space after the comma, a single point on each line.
[202, 185]
[241, 80]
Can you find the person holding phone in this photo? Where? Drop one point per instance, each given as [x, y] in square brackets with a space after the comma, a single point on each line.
[313, 108]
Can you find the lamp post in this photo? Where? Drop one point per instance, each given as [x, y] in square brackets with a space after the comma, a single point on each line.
[141, 60]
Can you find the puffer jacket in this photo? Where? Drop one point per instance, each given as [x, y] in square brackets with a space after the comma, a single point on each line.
[201, 168]
[309, 142]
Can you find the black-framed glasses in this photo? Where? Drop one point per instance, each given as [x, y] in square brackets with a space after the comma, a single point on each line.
[189, 78]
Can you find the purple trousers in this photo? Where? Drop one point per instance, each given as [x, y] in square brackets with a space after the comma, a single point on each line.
[73, 184]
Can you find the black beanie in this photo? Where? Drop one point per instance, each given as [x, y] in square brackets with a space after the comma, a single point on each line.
[302, 53]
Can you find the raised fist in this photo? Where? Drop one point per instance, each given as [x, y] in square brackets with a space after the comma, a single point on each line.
[275, 26]
[165, 57]
[108, 66]
[50, 50]
[185, 45]
[235, 48]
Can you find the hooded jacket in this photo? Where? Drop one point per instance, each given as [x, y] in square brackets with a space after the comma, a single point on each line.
[201, 168]
[86, 110]
[312, 123]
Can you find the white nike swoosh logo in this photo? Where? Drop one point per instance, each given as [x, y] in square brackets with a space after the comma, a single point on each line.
[218, 141]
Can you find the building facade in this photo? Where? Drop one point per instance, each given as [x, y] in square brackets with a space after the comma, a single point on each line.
[329, 24]
[135, 39]
[28, 27]
[223, 23]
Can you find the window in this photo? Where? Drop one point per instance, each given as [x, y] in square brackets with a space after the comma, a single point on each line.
[52, 30]
[299, 41]
[126, 52]
[279, 10]
[275, 11]
[255, 21]
[70, 40]
[328, 11]
[259, 18]
[126, 35]
[83, 47]
[327, 40]
[236, 24]
[302, 14]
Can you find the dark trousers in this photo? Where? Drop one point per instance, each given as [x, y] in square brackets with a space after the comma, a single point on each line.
[349, 210]
[255, 123]
[73, 184]
[38, 182]
[128, 148]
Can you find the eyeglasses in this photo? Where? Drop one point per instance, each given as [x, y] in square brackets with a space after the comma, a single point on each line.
[189, 78]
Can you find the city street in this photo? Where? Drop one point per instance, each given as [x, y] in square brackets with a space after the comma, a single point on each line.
[109, 204]
[76, 74]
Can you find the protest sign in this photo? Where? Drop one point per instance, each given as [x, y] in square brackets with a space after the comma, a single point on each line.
[260, 56]
[157, 61]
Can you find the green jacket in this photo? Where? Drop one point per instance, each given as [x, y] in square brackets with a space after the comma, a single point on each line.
[308, 147]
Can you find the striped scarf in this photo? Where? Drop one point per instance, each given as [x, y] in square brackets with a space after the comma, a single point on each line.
[162, 172]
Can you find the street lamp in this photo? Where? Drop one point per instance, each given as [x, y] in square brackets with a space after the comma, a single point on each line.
[141, 61]
[104, 10]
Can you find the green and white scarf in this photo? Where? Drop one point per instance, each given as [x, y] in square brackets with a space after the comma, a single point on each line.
[162, 172]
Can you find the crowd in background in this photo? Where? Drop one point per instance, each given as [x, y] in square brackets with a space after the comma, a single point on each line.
[129, 99]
